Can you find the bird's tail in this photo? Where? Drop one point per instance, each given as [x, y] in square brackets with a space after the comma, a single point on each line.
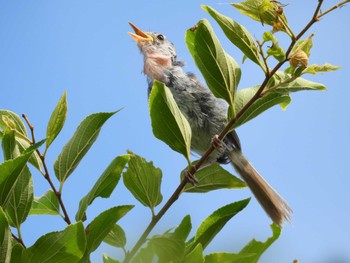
[274, 205]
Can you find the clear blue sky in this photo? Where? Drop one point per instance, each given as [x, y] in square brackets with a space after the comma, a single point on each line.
[83, 47]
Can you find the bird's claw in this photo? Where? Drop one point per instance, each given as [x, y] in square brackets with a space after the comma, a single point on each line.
[218, 144]
[191, 178]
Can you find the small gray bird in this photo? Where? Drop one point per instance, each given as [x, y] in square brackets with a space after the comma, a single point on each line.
[207, 116]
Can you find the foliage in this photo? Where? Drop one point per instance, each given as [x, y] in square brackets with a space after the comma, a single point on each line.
[222, 74]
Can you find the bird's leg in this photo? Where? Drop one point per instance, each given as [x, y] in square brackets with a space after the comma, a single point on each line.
[191, 178]
[218, 144]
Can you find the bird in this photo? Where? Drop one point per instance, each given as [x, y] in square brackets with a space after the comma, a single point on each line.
[207, 116]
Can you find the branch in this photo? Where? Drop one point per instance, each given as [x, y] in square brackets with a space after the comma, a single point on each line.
[19, 240]
[339, 5]
[202, 160]
[46, 173]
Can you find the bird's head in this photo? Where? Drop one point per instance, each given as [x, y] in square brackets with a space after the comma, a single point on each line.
[159, 53]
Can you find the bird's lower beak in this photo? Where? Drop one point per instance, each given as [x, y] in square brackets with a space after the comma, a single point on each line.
[139, 34]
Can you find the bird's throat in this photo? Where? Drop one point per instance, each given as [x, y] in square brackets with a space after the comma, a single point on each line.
[155, 67]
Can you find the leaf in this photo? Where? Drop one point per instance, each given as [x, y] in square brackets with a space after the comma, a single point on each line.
[76, 148]
[215, 222]
[20, 200]
[213, 177]
[237, 34]
[297, 84]
[14, 118]
[168, 123]
[25, 143]
[195, 256]
[104, 185]
[264, 11]
[314, 68]
[16, 254]
[258, 248]
[168, 248]
[143, 180]
[116, 237]
[274, 50]
[108, 259]
[5, 238]
[10, 171]
[220, 71]
[63, 246]
[184, 229]
[145, 254]
[56, 121]
[269, 100]
[99, 228]
[47, 204]
[229, 257]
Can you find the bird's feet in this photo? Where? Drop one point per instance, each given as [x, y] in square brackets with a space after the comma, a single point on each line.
[191, 178]
[218, 144]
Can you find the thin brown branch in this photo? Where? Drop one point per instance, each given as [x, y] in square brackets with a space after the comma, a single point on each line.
[19, 240]
[228, 127]
[339, 5]
[47, 175]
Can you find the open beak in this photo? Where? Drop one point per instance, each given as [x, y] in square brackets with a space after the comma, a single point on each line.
[139, 34]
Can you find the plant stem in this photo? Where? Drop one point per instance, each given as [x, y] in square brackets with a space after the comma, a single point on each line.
[228, 127]
[339, 5]
[19, 240]
[46, 173]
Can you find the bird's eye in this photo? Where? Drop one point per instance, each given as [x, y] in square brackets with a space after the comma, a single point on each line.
[160, 37]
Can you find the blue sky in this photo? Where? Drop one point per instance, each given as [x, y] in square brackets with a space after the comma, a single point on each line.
[83, 47]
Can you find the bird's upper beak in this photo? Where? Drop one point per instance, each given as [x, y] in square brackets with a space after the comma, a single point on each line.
[139, 34]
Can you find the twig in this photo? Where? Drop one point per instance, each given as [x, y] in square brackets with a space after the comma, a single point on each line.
[228, 127]
[19, 240]
[339, 5]
[46, 173]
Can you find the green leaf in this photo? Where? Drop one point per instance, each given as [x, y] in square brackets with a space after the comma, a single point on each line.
[56, 121]
[17, 251]
[25, 143]
[9, 146]
[99, 228]
[47, 204]
[20, 200]
[237, 34]
[76, 148]
[10, 171]
[14, 118]
[274, 50]
[269, 100]
[287, 83]
[220, 71]
[213, 177]
[184, 229]
[314, 68]
[145, 254]
[5, 238]
[116, 237]
[108, 259]
[64, 246]
[258, 248]
[168, 248]
[104, 185]
[168, 123]
[195, 256]
[143, 180]
[215, 222]
[229, 257]
[264, 11]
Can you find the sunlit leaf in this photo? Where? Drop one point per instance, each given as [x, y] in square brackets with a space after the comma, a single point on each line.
[19, 125]
[220, 71]
[258, 248]
[229, 257]
[184, 229]
[195, 255]
[116, 237]
[45, 205]
[5, 238]
[213, 177]
[143, 180]
[100, 226]
[168, 248]
[314, 68]
[76, 148]
[57, 247]
[237, 34]
[168, 123]
[215, 222]
[104, 185]
[56, 121]
[108, 259]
